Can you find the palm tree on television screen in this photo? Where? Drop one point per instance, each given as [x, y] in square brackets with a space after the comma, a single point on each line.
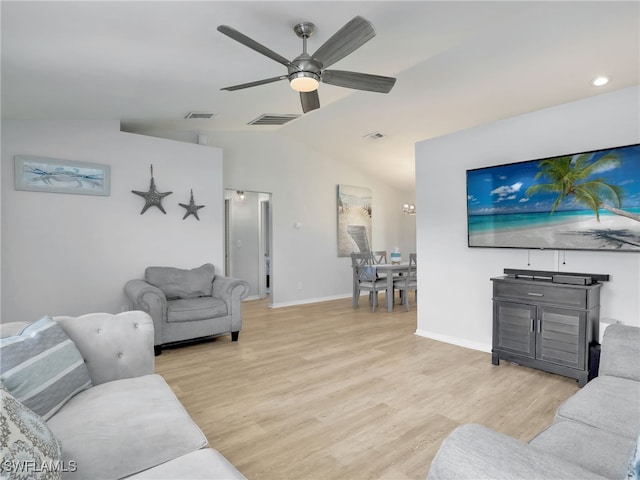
[571, 178]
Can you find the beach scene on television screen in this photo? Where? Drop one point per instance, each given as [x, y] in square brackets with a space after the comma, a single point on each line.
[587, 201]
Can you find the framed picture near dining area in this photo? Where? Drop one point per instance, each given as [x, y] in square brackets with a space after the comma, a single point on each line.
[354, 219]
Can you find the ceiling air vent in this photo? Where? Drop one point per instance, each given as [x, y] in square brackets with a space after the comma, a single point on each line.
[374, 136]
[273, 119]
[196, 115]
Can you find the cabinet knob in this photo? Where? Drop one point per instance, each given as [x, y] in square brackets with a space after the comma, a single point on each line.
[534, 294]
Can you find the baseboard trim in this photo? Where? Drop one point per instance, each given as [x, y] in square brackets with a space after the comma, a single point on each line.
[309, 300]
[460, 342]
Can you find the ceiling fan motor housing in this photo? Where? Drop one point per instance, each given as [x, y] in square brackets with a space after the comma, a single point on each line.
[306, 71]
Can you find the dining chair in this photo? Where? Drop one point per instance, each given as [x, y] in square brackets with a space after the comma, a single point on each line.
[408, 281]
[379, 256]
[365, 278]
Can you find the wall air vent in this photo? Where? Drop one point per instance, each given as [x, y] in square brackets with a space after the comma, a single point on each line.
[273, 119]
[196, 115]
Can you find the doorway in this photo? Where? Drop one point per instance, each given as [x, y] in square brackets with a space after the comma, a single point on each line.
[248, 240]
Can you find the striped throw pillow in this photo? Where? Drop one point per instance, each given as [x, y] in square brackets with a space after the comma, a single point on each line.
[42, 368]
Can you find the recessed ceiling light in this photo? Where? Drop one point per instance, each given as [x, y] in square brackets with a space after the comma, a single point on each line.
[600, 81]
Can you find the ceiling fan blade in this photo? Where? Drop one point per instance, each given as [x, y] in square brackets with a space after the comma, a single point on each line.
[310, 101]
[359, 81]
[254, 84]
[353, 35]
[252, 44]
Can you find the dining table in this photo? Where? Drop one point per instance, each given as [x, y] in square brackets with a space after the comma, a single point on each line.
[389, 269]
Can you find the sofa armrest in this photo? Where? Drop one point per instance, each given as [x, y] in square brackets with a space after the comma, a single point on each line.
[620, 352]
[150, 299]
[232, 291]
[475, 452]
[113, 346]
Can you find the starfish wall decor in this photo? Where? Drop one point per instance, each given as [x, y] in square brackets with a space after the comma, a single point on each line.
[152, 198]
[192, 208]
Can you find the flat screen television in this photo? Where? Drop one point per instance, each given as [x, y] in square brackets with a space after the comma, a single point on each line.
[581, 201]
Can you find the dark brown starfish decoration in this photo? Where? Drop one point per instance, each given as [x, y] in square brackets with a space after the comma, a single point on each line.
[152, 198]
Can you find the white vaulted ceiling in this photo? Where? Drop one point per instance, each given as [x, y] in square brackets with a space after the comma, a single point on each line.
[457, 64]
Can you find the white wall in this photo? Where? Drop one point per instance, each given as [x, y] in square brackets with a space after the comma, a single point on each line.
[72, 254]
[303, 184]
[454, 298]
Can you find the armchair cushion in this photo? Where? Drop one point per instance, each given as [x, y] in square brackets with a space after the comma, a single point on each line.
[188, 310]
[180, 283]
[42, 367]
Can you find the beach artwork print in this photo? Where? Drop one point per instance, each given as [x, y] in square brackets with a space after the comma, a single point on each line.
[354, 220]
[41, 174]
[584, 201]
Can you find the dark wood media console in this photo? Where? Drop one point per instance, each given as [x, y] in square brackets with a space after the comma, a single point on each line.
[547, 325]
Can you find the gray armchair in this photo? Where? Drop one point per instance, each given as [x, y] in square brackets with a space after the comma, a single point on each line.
[188, 304]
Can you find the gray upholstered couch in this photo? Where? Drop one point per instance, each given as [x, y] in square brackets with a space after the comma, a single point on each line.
[594, 435]
[123, 421]
[188, 304]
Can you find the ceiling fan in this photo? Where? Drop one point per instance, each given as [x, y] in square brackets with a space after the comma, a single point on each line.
[305, 72]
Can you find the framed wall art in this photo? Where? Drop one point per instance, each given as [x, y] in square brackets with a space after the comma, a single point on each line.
[52, 175]
[354, 219]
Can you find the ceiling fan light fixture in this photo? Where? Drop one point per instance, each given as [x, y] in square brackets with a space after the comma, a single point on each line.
[304, 81]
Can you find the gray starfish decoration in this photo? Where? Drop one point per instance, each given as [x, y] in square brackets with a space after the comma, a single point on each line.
[192, 208]
[153, 197]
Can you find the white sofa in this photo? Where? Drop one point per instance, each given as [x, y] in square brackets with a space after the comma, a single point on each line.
[128, 423]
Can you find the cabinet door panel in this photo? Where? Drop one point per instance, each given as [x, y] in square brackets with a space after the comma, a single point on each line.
[513, 331]
[561, 336]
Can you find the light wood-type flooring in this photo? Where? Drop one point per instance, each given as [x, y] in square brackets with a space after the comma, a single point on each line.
[322, 391]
